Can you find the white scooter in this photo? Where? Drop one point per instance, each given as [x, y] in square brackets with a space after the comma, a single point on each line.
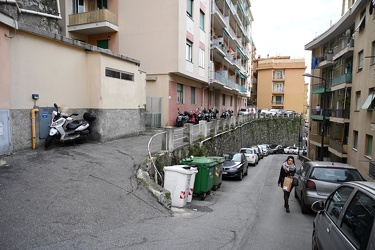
[64, 128]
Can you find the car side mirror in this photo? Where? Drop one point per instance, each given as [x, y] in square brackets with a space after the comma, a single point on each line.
[318, 206]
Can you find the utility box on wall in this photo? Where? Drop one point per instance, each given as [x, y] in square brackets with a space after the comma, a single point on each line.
[45, 118]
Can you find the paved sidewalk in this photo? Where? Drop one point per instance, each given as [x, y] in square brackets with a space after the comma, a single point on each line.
[47, 196]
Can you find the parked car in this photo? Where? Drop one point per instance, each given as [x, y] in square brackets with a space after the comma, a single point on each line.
[290, 113]
[276, 149]
[317, 179]
[251, 155]
[275, 112]
[244, 111]
[258, 150]
[265, 149]
[291, 150]
[235, 165]
[265, 112]
[345, 220]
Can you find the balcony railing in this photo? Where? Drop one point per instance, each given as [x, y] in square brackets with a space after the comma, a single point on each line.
[318, 139]
[338, 146]
[318, 88]
[340, 113]
[346, 78]
[93, 17]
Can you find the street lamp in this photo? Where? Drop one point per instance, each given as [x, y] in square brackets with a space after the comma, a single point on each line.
[323, 110]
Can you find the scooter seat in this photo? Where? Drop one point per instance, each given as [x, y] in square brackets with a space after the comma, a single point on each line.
[75, 124]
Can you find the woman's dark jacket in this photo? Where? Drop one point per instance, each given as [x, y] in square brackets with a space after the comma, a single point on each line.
[283, 174]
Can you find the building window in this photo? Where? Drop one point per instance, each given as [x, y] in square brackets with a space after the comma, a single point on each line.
[115, 73]
[358, 100]
[201, 58]
[360, 60]
[193, 95]
[102, 4]
[231, 101]
[362, 21]
[201, 20]
[355, 139]
[102, 44]
[180, 93]
[223, 99]
[189, 8]
[373, 52]
[79, 6]
[278, 87]
[370, 103]
[278, 74]
[189, 54]
[368, 149]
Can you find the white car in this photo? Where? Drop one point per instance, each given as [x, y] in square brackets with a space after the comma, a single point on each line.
[244, 111]
[275, 112]
[251, 155]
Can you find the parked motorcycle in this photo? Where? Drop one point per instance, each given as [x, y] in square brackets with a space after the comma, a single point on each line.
[192, 117]
[181, 119]
[64, 128]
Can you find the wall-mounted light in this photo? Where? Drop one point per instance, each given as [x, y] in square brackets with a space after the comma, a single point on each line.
[108, 38]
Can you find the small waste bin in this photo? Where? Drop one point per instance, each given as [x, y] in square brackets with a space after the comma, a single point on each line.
[192, 181]
[218, 172]
[177, 181]
[204, 178]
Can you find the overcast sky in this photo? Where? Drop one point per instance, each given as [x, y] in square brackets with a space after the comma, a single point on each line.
[283, 28]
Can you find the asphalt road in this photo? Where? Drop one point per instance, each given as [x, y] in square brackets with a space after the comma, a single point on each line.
[86, 196]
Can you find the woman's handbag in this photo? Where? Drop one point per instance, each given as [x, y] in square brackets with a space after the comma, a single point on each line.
[295, 181]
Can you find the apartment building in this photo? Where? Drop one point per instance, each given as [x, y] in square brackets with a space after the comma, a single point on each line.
[195, 52]
[343, 84]
[40, 67]
[278, 83]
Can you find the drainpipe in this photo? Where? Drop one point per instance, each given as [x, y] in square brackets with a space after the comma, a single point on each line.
[33, 139]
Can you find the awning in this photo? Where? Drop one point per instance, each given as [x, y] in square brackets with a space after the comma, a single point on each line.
[368, 101]
[360, 23]
[241, 75]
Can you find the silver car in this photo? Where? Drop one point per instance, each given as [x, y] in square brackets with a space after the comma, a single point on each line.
[317, 179]
[345, 220]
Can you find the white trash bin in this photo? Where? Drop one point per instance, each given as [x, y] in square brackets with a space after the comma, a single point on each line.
[192, 181]
[177, 181]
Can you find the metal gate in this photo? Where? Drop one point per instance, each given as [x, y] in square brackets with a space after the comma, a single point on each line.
[153, 112]
[5, 140]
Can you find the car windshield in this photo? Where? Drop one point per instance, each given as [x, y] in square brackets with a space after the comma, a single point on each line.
[336, 174]
[228, 156]
[236, 157]
[247, 151]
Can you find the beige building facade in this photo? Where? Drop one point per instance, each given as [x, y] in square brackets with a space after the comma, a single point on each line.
[196, 53]
[280, 84]
[343, 83]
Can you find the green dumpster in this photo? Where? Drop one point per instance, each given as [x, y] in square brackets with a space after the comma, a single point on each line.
[205, 176]
[218, 172]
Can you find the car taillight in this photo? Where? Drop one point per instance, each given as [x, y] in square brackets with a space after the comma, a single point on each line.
[310, 185]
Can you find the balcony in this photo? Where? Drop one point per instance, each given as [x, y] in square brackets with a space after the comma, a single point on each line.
[318, 88]
[340, 113]
[344, 49]
[318, 115]
[341, 82]
[316, 139]
[325, 61]
[338, 148]
[93, 22]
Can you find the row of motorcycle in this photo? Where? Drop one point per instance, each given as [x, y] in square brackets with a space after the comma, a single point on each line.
[200, 115]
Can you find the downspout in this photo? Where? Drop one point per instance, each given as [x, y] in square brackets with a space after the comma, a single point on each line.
[33, 137]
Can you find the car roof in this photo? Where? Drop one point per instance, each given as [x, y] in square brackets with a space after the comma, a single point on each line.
[366, 185]
[330, 164]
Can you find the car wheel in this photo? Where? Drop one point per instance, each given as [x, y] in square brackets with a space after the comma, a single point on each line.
[304, 208]
[314, 241]
[240, 176]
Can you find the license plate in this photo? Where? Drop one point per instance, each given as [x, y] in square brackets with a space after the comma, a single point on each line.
[225, 172]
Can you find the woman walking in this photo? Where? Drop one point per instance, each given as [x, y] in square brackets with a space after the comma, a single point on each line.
[288, 169]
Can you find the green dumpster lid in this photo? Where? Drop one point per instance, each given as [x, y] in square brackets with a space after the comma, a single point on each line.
[198, 160]
[219, 159]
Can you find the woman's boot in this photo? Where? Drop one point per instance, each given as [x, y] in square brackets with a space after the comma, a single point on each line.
[287, 209]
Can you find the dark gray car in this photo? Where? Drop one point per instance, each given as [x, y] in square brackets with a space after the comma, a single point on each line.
[345, 220]
[317, 179]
